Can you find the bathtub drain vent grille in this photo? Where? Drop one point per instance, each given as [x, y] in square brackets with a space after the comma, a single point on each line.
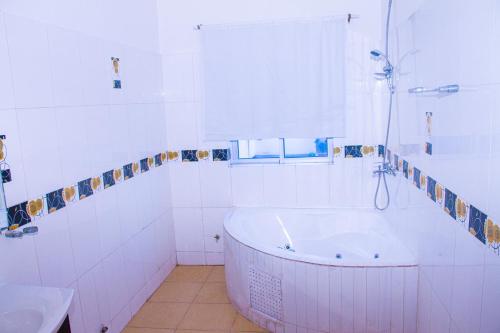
[265, 293]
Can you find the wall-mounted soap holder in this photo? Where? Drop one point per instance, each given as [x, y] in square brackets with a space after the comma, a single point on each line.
[442, 90]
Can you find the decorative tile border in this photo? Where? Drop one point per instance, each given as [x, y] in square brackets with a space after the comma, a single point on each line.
[477, 222]
[4, 167]
[51, 202]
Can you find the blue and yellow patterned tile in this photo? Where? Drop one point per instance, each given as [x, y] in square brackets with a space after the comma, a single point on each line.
[353, 151]
[144, 165]
[431, 188]
[3, 151]
[220, 155]
[477, 223]
[97, 183]
[55, 200]
[136, 168]
[410, 171]
[85, 188]
[163, 156]
[189, 156]
[36, 208]
[416, 177]
[203, 155]
[18, 215]
[428, 148]
[337, 151]
[380, 150]
[158, 160]
[368, 151]
[462, 209]
[405, 169]
[450, 199]
[440, 194]
[400, 164]
[396, 162]
[492, 231]
[423, 182]
[70, 194]
[151, 163]
[127, 171]
[173, 155]
[118, 175]
[108, 179]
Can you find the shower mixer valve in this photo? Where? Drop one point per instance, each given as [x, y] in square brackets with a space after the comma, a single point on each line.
[384, 168]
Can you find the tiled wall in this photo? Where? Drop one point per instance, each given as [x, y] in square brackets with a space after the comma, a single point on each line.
[65, 124]
[436, 43]
[203, 192]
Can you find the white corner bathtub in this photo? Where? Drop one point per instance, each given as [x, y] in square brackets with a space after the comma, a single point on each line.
[322, 270]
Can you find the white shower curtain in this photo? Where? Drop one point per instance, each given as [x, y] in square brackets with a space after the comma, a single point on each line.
[273, 80]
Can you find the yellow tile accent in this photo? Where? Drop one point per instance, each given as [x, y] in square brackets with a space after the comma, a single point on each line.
[95, 183]
[69, 193]
[173, 155]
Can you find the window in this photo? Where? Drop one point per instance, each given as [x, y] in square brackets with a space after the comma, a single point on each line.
[256, 149]
[282, 151]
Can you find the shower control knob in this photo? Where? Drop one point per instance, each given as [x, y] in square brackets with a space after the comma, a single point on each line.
[104, 329]
[216, 237]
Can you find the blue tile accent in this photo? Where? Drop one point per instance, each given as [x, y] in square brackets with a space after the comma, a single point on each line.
[405, 168]
[158, 161]
[189, 156]
[381, 150]
[353, 151]
[55, 201]
[220, 155]
[117, 84]
[18, 214]
[108, 179]
[477, 221]
[6, 176]
[416, 177]
[431, 188]
[127, 171]
[85, 188]
[144, 165]
[428, 148]
[450, 200]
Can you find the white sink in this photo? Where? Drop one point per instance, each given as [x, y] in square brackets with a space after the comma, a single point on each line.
[30, 309]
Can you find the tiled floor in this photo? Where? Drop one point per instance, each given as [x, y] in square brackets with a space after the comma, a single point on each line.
[190, 300]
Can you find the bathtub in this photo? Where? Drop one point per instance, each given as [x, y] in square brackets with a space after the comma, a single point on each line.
[321, 270]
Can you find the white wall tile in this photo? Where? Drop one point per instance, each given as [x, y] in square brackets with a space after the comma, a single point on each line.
[54, 241]
[65, 66]
[178, 78]
[185, 184]
[215, 184]
[85, 240]
[313, 185]
[30, 62]
[280, 186]
[6, 88]
[89, 303]
[42, 161]
[213, 224]
[182, 124]
[75, 311]
[188, 229]
[247, 185]
[116, 285]
[15, 191]
[23, 271]
[191, 258]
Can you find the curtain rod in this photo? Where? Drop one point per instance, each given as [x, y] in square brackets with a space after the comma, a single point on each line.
[349, 18]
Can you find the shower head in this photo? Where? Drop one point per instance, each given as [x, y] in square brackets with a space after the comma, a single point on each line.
[377, 55]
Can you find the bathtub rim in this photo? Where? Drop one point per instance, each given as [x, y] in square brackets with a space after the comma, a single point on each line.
[293, 256]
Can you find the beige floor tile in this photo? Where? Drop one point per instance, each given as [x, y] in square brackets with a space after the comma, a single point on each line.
[184, 292]
[159, 315]
[212, 292]
[190, 274]
[217, 274]
[241, 324]
[209, 317]
[147, 330]
[195, 331]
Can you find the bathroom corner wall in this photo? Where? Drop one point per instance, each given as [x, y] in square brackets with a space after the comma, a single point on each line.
[447, 210]
[204, 191]
[112, 240]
